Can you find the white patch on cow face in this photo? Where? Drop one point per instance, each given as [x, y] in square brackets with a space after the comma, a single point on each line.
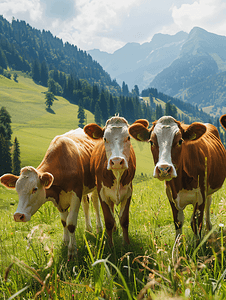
[165, 130]
[117, 146]
[31, 195]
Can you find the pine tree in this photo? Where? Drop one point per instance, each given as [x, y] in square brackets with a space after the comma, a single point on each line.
[16, 158]
[5, 120]
[3, 60]
[49, 99]
[5, 156]
[103, 106]
[111, 106]
[158, 111]
[81, 115]
[44, 73]
[98, 114]
[125, 90]
[36, 70]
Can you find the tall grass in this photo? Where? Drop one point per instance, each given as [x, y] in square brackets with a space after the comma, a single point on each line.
[34, 262]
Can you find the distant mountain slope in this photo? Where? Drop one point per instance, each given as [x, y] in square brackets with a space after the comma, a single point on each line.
[198, 74]
[21, 45]
[138, 64]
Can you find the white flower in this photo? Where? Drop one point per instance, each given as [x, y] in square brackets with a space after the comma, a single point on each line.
[187, 293]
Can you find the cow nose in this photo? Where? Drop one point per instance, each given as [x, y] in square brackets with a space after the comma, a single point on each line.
[117, 163]
[19, 217]
[164, 171]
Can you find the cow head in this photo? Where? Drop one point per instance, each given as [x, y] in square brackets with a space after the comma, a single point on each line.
[167, 137]
[223, 121]
[116, 140]
[30, 186]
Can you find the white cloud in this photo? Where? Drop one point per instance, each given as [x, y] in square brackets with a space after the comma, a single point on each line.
[109, 25]
[32, 8]
[95, 23]
[208, 14]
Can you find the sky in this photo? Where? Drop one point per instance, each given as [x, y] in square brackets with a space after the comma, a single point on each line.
[109, 24]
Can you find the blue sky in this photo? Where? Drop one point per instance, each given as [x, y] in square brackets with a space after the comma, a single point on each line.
[108, 25]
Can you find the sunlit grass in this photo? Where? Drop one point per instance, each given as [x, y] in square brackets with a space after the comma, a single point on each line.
[153, 265]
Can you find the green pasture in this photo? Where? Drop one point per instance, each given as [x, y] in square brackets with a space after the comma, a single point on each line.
[34, 264]
[35, 127]
[33, 260]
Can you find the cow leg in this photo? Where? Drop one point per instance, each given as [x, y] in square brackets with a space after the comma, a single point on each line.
[113, 213]
[207, 213]
[86, 210]
[96, 205]
[124, 218]
[197, 220]
[63, 216]
[178, 215]
[72, 224]
[109, 220]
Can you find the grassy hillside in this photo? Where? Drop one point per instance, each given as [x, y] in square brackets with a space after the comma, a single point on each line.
[35, 127]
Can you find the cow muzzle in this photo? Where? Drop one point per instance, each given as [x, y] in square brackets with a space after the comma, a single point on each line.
[165, 172]
[18, 217]
[117, 163]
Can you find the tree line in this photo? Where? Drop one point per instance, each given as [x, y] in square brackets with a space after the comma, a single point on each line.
[20, 45]
[9, 153]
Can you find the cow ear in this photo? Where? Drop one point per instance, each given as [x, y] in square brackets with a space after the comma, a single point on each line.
[94, 131]
[223, 121]
[194, 131]
[9, 180]
[144, 122]
[47, 179]
[139, 132]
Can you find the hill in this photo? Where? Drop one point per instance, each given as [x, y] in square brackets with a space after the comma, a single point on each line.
[20, 45]
[35, 127]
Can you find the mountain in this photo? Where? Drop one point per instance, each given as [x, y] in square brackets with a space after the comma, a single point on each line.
[198, 75]
[138, 64]
[21, 45]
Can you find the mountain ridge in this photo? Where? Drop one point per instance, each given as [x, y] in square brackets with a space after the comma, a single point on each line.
[137, 64]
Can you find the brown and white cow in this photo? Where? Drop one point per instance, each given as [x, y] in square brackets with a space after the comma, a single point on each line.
[223, 121]
[113, 165]
[189, 158]
[64, 178]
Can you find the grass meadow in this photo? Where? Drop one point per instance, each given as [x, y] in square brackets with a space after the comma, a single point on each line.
[33, 259]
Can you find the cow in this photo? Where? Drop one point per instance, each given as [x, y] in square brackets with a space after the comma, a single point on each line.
[113, 165]
[223, 121]
[189, 158]
[62, 177]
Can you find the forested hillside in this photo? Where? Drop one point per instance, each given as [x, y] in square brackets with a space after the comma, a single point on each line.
[20, 45]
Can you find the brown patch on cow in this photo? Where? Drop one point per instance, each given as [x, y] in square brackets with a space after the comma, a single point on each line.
[71, 228]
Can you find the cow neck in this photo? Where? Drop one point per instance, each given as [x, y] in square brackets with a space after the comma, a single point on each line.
[52, 194]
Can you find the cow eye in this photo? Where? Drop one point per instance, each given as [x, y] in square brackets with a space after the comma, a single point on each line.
[34, 190]
[105, 139]
[180, 142]
[128, 138]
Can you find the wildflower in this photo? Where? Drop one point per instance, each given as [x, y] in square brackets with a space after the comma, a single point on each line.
[221, 225]
[187, 293]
